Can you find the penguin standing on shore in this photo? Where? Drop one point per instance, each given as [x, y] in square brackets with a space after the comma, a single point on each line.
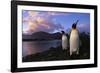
[64, 41]
[74, 39]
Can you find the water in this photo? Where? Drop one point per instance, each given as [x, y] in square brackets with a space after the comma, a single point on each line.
[32, 47]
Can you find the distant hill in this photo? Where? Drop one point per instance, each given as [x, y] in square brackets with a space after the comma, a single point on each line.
[42, 36]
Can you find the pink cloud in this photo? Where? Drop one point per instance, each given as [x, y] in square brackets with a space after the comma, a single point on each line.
[36, 22]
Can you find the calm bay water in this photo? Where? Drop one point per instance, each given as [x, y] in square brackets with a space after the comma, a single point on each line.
[32, 47]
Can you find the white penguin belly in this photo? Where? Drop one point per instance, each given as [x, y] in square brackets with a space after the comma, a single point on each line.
[74, 41]
[64, 42]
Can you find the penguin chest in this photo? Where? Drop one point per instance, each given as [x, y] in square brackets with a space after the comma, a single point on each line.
[74, 41]
[64, 42]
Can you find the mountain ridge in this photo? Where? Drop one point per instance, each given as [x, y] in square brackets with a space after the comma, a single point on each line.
[42, 36]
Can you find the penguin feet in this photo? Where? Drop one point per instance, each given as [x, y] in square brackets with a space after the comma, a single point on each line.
[70, 53]
[77, 52]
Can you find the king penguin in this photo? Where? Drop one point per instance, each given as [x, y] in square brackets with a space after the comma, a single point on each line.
[74, 39]
[64, 41]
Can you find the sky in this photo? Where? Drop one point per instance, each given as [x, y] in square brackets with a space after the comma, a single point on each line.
[51, 22]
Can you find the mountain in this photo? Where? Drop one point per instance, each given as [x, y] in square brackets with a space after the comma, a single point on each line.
[42, 36]
[47, 36]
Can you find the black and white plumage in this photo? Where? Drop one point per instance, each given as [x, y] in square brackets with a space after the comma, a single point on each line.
[74, 40]
[64, 41]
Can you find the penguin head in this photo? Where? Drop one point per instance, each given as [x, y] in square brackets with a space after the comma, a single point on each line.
[74, 25]
[63, 32]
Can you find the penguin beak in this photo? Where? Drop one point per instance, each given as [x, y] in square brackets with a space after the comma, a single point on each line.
[77, 21]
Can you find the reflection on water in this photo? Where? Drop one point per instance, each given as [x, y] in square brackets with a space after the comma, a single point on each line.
[32, 47]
